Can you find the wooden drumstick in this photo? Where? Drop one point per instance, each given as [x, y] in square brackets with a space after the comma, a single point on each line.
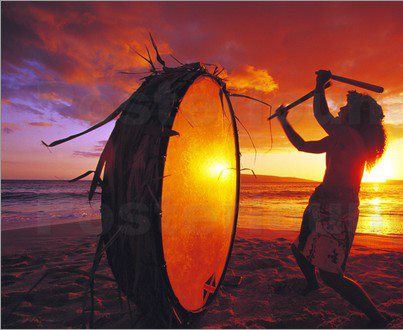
[371, 87]
[299, 101]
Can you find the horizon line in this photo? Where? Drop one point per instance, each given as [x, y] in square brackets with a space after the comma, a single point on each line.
[249, 175]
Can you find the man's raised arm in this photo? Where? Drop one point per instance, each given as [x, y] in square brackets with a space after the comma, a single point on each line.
[320, 107]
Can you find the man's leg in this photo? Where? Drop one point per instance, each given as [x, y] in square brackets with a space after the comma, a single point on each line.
[307, 269]
[353, 293]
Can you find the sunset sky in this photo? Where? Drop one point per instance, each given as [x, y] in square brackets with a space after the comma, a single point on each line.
[60, 64]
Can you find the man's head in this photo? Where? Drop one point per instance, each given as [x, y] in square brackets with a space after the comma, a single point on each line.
[361, 109]
[363, 114]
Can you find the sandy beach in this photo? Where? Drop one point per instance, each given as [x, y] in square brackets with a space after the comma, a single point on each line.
[266, 298]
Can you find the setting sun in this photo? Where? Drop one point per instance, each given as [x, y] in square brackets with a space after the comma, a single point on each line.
[218, 170]
[381, 172]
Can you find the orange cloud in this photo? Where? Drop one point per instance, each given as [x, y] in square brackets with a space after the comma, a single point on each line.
[249, 78]
[41, 124]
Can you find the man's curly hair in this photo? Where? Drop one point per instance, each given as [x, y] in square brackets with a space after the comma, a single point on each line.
[366, 116]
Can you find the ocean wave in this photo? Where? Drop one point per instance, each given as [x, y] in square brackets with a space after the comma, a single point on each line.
[30, 196]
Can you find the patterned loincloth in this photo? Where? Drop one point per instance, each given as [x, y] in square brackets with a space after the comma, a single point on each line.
[328, 228]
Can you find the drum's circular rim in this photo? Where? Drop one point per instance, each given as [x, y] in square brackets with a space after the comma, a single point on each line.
[171, 292]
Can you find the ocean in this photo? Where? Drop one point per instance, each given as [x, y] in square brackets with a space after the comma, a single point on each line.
[277, 206]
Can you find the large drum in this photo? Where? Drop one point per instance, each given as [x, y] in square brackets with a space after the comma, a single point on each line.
[170, 192]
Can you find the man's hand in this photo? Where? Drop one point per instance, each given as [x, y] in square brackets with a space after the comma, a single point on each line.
[281, 114]
[322, 77]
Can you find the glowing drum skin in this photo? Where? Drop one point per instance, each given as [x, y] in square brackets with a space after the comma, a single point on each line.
[170, 193]
[199, 194]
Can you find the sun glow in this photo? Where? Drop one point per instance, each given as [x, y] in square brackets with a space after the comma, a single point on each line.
[381, 172]
[375, 201]
[218, 170]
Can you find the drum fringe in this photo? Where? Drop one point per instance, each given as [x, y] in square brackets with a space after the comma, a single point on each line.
[126, 72]
[100, 165]
[234, 169]
[262, 102]
[82, 176]
[101, 123]
[95, 264]
[250, 98]
[248, 169]
[218, 73]
[153, 69]
[159, 59]
[101, 247]
[221, 94]
[149, 61]
[250, 137]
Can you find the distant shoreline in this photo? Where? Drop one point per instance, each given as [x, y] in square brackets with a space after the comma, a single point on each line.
[249, 178]
[245, 178]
